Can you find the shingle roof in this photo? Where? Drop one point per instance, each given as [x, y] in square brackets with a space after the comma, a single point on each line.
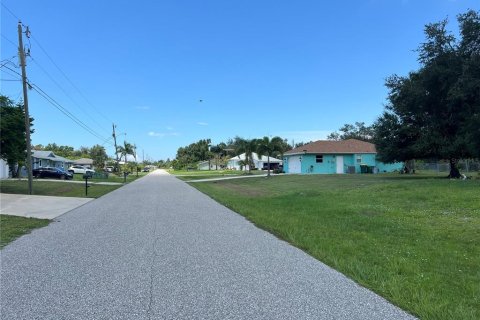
[40, 154]
[43, 154]
[328, 147]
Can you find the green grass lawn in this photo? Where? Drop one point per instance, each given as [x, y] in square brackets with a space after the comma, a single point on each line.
[187, 175]
[415, 240]
[112, 177]
[53, 188]
[12, 227]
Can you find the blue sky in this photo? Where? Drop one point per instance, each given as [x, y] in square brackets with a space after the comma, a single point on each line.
[297, 69]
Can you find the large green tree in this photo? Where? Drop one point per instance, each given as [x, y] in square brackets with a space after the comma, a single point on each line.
[99, 156]
[190, 155]
[12, 133]
[434, 112]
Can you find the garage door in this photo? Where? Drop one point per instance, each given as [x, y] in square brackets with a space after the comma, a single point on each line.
[294, 164]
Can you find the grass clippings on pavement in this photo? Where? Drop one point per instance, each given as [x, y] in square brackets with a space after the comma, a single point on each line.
[412, 239]
[12, 227]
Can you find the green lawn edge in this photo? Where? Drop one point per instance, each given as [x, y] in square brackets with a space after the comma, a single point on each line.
[402, 271]
[13, 227]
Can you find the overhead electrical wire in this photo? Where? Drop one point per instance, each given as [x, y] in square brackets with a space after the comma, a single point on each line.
[65, 111]
[13, 43]
[70, 81]
[46, 96]
[67, 94]
[10, 11]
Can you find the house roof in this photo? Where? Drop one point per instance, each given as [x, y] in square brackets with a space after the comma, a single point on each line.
[255, 158]
[40, 154]
[349, 146]
[83, 161]
[43, 154]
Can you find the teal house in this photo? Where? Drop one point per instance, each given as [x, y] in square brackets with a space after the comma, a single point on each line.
[328, 157]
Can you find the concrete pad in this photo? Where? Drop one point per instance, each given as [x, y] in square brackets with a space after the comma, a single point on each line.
[42, 207]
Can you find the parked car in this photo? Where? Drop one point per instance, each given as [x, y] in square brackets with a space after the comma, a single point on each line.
[146, 169]
[51, 172]
[80, 169]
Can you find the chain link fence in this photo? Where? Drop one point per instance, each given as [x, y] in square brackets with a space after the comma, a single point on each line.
[465, 166]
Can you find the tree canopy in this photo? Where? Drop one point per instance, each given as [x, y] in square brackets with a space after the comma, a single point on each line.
[434, 112]
[12, 133]
[357, 131]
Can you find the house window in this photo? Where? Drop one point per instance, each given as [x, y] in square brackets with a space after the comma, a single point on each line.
[359, 158]
[319, 158]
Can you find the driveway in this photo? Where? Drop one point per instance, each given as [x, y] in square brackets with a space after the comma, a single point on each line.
[42, 207]
[159, 249]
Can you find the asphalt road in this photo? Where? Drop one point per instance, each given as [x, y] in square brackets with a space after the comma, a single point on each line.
[159, 249]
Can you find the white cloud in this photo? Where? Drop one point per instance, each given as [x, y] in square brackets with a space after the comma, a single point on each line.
[162, 134]
[202, 123]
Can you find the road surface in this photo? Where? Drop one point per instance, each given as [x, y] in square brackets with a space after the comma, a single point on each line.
[159, 249]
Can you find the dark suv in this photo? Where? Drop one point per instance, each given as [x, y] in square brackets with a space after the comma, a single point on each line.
[50, 172]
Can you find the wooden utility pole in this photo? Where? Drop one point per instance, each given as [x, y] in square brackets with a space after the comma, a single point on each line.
[116, 150]
[21, 54]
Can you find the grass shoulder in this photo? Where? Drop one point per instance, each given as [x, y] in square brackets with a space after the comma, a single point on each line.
[55, 188]
[13, 227]
[412, 239]
[188, 175]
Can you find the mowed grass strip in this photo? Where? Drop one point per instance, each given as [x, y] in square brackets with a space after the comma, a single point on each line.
[12, 227]
[55, 188]
[415, 240]
[187, 175]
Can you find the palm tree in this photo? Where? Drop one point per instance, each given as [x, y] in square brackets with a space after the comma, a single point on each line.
[128, 149]
[247, 146]
[269, 147]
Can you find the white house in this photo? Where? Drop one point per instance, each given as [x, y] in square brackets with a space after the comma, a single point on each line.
[259, 163]
[212, 164]
[4, 169]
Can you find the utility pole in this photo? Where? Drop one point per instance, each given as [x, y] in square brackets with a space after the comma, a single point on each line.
[21, 55]
[116, 150]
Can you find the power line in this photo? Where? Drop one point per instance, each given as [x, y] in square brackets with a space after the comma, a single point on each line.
[67, 94]
[13, 43]
[70, 81]
[62, 109]
[10, 11]
[12, 70]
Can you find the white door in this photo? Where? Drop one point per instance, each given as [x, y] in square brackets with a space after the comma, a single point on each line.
[339, 164]
[294, 164]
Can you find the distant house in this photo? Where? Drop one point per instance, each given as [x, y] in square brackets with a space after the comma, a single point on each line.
[88, 163]
[235, 163]
[49, 159]
[210, 165]
[346, 156]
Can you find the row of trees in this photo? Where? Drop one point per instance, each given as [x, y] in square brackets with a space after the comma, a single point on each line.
[203, 150]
